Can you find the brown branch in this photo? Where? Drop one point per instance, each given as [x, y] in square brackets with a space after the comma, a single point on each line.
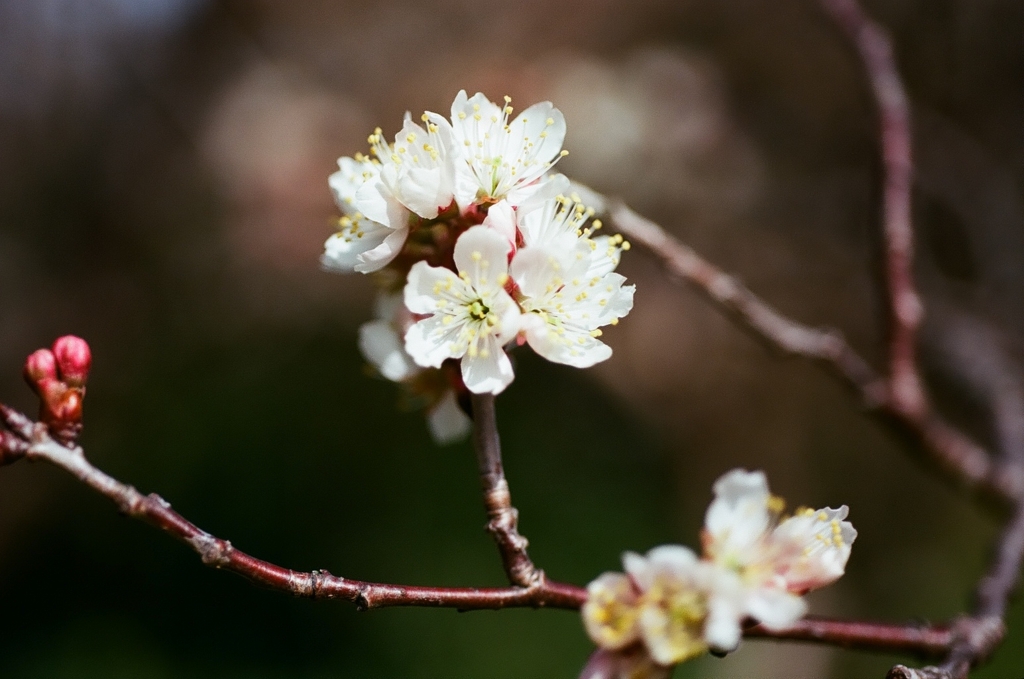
[977, 636]
[503, 518]
[319, 584]
[220, 553]
[924, 641]
[904, 307]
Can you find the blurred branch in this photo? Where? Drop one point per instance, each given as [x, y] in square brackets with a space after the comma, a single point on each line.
[904, 303]
[924, 641]
[977, 636]
[974, 355]
[319, 584]
[961, 460]
[503, 522]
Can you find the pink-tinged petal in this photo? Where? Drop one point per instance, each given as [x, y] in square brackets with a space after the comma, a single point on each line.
[447, 422]
[382, 346]
[482, 254]
[489, 371]
[502, 219]
[810, 550]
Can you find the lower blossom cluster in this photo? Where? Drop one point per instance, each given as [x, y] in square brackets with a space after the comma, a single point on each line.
[477, 249]
[671, 605]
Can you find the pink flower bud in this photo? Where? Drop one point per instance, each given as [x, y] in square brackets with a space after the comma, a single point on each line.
[74, 359]
[40, 365]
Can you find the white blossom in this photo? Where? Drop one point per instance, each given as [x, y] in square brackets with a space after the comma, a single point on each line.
[417, 171]
[363, 243]
[469, 316]
[768, 564]
[380, 196]
[672, 606]
[660, 603]
[565, 305]
[502, 159]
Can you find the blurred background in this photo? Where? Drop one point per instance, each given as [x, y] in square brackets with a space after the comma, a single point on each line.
[163, 194]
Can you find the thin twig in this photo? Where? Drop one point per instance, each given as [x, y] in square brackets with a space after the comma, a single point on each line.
[220, 553]
[503, 518]
[905, 309]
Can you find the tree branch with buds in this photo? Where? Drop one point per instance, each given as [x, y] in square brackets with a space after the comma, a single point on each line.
[23, 438]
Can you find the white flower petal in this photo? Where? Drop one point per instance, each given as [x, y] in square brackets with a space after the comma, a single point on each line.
[775, 608]
[489, 371]
[447, 422]
[351, 175]
[504, 159]
[535, 270]
[526, 197]
[430, 342]
[375, 202]
[382, 255]
[739, 516]
[421, 191]
[342, 250]
[502, 219]
[482, 254]
[722, 629]
[382, 346]
[424, 283]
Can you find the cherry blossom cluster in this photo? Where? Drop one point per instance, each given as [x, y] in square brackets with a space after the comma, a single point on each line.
[477, 249]
[671, 605]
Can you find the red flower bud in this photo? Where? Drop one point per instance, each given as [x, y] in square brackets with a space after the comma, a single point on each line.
[74, 359]
[39, 366]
